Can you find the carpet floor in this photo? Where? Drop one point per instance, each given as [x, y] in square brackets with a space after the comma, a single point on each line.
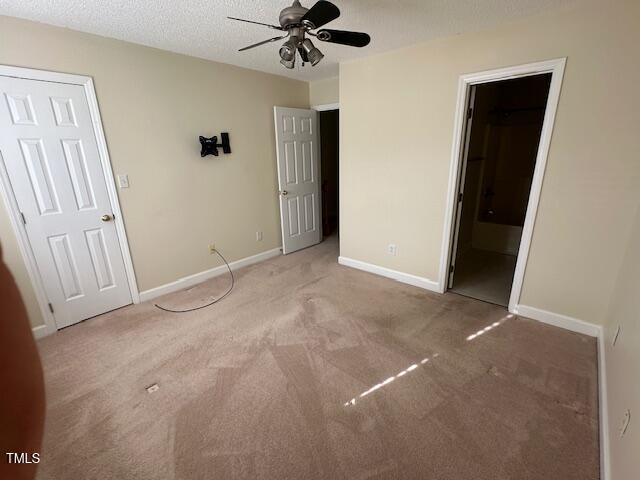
[312, 370]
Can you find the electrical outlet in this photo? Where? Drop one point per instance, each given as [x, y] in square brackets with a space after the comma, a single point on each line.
[258, 236]
[392, 249]
[212, 248]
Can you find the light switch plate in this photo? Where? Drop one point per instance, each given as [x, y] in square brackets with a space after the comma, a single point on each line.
[123, 181]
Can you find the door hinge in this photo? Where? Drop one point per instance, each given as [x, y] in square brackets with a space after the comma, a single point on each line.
[24, 219]
[469, 113]
[450, 270]
[460, 197]
[51, 308]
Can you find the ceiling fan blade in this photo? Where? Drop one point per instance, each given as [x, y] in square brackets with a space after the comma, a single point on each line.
[274, 39]
[275, 27]
[353, 39]
[321, 13]
[303, 55]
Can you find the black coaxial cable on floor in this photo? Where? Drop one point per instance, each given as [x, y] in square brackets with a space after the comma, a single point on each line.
[233, 281]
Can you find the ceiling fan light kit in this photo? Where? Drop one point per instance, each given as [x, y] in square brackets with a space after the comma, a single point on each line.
[298, 23]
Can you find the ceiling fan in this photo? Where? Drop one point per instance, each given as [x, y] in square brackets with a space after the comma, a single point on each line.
[298, 22]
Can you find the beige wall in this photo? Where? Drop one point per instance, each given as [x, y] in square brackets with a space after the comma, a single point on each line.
[394, 187]
[623, 362]
[323, 92]
[154, 105]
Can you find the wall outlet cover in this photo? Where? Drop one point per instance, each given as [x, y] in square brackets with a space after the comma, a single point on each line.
[392, 249]
[212, 248]
[123, 181]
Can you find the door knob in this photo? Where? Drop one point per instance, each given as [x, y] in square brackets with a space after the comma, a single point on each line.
[284, 192]
[106, 218]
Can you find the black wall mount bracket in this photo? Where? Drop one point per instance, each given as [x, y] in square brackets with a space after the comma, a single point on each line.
[210, 145]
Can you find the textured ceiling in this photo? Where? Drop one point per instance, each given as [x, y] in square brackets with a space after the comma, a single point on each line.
[200, 28]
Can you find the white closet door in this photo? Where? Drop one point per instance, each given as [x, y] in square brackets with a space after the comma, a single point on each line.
[51, 156]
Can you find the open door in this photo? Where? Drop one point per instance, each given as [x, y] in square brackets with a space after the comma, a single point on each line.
[298, 177]
[463, 171]
[51, 157]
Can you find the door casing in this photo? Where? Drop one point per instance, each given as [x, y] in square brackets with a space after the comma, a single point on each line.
[14, 212]
[556, 68]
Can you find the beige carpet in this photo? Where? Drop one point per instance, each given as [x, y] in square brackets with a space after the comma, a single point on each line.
[311, 370]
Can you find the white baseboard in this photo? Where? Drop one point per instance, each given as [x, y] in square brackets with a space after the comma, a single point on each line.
[41, 331]
[605, 465]
[558, 320]
[196, 278]
[393, 274]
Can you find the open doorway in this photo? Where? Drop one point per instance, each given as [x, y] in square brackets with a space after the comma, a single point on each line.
[329, 171]
[502, 136]
[307, 159]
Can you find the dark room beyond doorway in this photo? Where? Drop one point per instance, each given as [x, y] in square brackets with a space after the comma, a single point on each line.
[329, 170]
[506, 119]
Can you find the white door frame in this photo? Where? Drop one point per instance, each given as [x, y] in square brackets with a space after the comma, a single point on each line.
[556, 68]
[325, 107]
[14, 212]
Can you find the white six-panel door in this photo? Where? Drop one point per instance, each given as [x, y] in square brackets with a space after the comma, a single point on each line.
[50, 154]
[297, 142]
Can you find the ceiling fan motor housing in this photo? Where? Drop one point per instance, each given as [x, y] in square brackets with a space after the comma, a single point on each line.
[291, 16]
[298, 22]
